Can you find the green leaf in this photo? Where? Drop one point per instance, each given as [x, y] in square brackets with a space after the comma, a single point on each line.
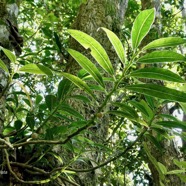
[158, 91]
[79, 83]
[141, 26]
[96, 50]
[51, 101]
[154, 141]
[3, 66]
[30, 120]
[161, 57]
[157, 73]
[86, 64]
[122, 114]
[139, 106]
[172, 124]
[180, 164]
[63, 88]
[127, 108]
[116, 44]
[18, 124]
[9, 54]
[80, 97]
[165, 42]
[71, 111]
[36, 69]
[162, 168]
[176, 172]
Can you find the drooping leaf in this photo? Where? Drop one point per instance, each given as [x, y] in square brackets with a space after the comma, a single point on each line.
[165, 42]
[30, 120]
[71, 111]
[63, 88]
[172, 124]
[18, 124]
[79, 83]
[154, 141]
[161, 57]
[51, 101]
[157, 73]
[85, 63]
[36, 69]
[3, 66]
[158, 91]
[116, 44]
[96, 50]
[126, 108]
[81, 97]
[140, 107]
[141, 26]
[58, 42]
[9, 54]
[122, 114]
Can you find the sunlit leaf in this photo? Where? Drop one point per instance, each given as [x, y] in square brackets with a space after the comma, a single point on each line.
[36, 69]
[162, 168]
[9, 54]
[141, 26]
[3, 66]
[116, 44]
[85, 63]
[157, 73]
[158, 91]
[96, 50]
[165, 42]
[161, 57]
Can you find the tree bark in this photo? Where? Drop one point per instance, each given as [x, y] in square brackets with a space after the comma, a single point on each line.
[9, 39]
[93, 15]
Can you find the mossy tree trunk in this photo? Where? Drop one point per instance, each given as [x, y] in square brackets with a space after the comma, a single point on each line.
[9, 39]
[91, 16]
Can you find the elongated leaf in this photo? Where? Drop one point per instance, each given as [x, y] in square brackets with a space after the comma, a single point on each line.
[161, 56]
[9, 54]
[116, 44]
[180, 164]
[159, 92]
[79, 83]
[97, 51]
[165, 42]
[140, 107]
[176, 171]
[127, 108]
[63, 88]
[141, 26]
[51, 101]
[172, 124]
[85, 63]
[3, 66]
[36, 69]
[80, 97]
[157, 73]
[162, 168]
[122, 114]
[71, 111]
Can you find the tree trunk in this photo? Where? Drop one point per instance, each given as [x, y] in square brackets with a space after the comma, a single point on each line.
[93, 15]
[9, 39]
[170, 149]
